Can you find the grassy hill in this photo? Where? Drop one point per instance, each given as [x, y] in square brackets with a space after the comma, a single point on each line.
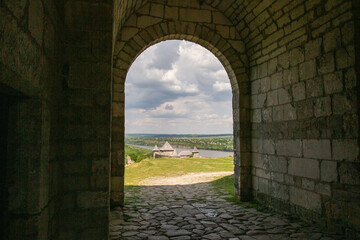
[170, 167]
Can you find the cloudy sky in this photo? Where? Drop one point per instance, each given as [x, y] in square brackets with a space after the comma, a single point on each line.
[177, 87]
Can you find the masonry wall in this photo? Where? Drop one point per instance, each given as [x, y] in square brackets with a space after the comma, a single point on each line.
[30, 63]
[85, 166]
[305, 122]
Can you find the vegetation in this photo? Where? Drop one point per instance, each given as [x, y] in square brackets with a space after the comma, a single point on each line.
[222, 142]
[136, 153]
[169, 167]
[225, 183]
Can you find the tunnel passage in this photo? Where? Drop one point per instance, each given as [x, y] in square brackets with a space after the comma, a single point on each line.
[300, 148]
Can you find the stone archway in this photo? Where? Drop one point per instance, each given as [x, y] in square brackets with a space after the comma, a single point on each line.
[149, 27]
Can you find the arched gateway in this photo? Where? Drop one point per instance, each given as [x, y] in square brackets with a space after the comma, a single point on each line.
[151, 24]
[294, 72]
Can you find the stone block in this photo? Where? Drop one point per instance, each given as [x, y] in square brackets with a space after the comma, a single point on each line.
[171, 13]
[333, 83]
[284, 60]
[308, 184]
[307, 70]
[224, 31]
[349, 173]
[291, 76]
[296, 56]
[272, 98]
[304, 109]
[332, 40]
[322, 107]
[263, 70]
[146, 21]
[328, 171]
[261, 100]
[345, 149]
[157, 10]
[268, 146]
[254, 74]
[303, 167]
[284, 96]
[259, 160]
[265, 84]
[256, 115]
[350, 78]
[278, 177]
[342, 104]
[318, 149]
[272, 66]
[298, 91]
[313, 49]
[314, 87]
[279, 190]
[195, 15]
[263, 173]
[278, 113]
[289, 112]
[256, 87]
[92, 199]
[347, 33]
[277, 164]
[128, 32]
[289, 148]
[345, 57]
[276, 80]
[326, 63]
[263, 185]
[267, 114]
[323, 189]
[306, 199]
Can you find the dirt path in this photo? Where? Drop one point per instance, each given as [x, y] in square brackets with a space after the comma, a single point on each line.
[190, 178]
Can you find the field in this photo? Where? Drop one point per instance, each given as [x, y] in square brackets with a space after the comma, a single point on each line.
[222, 142]
[171, 167]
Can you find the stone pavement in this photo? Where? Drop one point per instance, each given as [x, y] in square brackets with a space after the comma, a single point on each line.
[198, 211]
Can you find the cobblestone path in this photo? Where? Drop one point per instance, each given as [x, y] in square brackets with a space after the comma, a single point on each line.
[198, 211]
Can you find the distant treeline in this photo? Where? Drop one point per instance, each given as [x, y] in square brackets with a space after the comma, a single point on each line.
[137, 154]
[221, 142]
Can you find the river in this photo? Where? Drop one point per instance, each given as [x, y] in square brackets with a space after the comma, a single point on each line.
[202, 152]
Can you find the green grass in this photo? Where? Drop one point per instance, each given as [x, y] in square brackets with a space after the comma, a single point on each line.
[225, 183]
[137, 154]
[170, 167]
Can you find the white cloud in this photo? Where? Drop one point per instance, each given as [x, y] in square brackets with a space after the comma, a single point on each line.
[221, 86]
[177, 87]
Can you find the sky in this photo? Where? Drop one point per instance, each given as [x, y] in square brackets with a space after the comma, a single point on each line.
[177, 87]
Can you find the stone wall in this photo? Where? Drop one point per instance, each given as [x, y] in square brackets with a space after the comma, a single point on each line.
[30, 80]
[86, 118]
[305, 122]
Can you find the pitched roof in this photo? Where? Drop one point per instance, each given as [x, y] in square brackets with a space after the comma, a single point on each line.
[167, 147]
[195, 150]
[156, 148]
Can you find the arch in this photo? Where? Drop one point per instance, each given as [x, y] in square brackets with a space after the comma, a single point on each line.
[231, 53]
